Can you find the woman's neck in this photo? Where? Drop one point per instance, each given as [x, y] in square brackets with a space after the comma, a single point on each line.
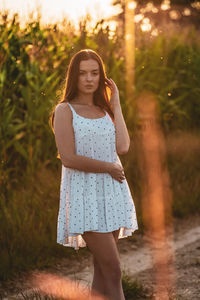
[84, 99]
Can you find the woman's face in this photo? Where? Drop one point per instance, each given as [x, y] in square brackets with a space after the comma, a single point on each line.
[89, 75]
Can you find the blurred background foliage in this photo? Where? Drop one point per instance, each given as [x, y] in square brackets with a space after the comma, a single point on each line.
[33, 64]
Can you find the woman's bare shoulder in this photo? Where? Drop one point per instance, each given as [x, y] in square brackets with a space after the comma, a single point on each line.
[63, 109]
[62, 105]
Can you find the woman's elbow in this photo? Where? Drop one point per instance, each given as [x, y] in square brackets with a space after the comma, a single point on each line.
[67, 161]
[123, 150]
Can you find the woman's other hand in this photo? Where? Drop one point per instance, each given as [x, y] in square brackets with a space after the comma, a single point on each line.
[117, 171]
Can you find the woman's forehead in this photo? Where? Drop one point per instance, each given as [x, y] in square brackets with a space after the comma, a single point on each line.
[89, 65]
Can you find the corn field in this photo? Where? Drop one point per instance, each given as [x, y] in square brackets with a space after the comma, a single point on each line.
[33, 64]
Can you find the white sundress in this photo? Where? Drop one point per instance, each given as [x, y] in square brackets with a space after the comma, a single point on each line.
[93, 201]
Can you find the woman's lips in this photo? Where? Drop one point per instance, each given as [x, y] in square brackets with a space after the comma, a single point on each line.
[88, 86]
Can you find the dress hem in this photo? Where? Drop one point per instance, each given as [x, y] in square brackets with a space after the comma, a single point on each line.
[77, 241]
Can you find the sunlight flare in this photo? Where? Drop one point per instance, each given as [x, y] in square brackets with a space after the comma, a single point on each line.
[157, 196]
[129, 53]
[61, 287]
[132, 5]
[187, 12]
[165, 5]
[54, 11]
[138, 18]
[146, 26]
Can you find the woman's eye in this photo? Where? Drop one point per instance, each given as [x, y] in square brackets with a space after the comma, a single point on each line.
[82, 73]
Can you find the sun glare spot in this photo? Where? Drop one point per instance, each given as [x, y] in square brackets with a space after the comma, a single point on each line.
[128, 36]
[165, 5]
[112, 28]
[149, 6]
[154, 10]
[146, 26]
[138, 18]
[142, 10]
[92, 25]
[52, 11]
[105, 25]
[113, 25]
[174, 15]
[154, 32]
[186, 12]
[132, 5]
[146, 21]
[196, 4]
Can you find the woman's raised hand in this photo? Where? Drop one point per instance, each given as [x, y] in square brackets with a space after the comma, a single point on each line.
[114, 99]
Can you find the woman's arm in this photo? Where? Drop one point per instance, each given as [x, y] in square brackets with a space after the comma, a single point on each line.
[65, 142]
[122, 135]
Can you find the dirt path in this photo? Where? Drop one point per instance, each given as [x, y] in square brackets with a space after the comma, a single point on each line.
[136, 261]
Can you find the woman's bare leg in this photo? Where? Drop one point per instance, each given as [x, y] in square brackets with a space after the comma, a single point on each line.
[104, 249]
[116, 235]
[98, 283]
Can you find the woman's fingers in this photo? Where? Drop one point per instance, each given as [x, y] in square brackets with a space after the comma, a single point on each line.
[122, 177]
[108, 81]
[118, 172]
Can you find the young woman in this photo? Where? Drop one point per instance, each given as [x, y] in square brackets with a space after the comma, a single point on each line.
[96, 206]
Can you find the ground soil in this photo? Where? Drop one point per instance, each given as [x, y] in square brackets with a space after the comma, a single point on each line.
[186, 264]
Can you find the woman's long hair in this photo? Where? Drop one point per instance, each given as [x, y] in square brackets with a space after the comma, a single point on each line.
[101, 97]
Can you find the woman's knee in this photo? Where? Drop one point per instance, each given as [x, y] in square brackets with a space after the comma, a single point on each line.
[105, 253]
[111, 270]
[96, 266]
[108, 267]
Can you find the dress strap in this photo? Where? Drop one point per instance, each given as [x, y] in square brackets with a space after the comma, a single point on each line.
[75, 113]
[72, 109]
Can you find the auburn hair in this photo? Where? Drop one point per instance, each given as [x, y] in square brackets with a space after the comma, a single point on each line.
[101, 97]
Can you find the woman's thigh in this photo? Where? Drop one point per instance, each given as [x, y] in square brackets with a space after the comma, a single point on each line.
[104, 249]
[116, 234]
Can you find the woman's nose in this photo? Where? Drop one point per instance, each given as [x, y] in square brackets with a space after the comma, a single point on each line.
[88, 77]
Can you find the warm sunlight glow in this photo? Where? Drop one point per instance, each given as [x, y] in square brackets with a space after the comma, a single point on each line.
[196, 4]
[54, 11]
[132, 5]
[156, 194]
[187, 12]
[149, 8]
[154, 32]
[60, 287]
[174, 14]
[146, 26]
[154, 10]
[165, 5]
[146, 20]
[112, 27]
[138, 18]
[129, 54]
